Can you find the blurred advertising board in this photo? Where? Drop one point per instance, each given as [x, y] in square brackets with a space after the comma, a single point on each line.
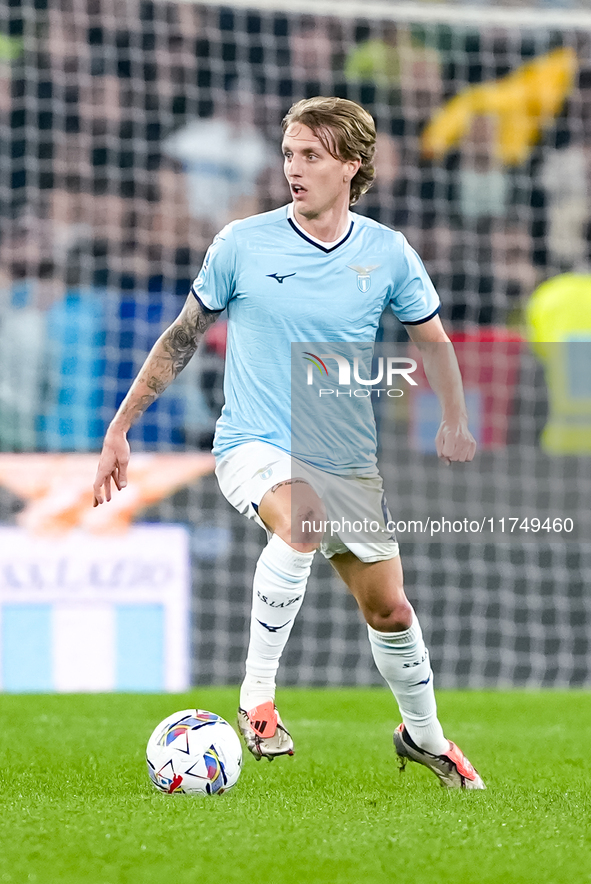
[89, 613]
[90, 601]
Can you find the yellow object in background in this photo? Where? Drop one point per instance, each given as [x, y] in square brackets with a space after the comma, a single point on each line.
[524, 102]
[374, 61]
[558, 318]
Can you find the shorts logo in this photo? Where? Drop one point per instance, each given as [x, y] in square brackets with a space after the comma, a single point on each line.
[363, 277]
[265, 472]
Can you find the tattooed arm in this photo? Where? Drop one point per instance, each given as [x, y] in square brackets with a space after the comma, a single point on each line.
[169, 355]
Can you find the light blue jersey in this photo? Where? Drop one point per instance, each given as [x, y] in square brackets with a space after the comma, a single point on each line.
[282, 287]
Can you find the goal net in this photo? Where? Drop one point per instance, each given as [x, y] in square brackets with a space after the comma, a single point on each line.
[132, 131]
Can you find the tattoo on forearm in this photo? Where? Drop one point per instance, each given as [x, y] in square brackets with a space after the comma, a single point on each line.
[133, 411]
[156, 384]
[182, 338]
[181, 345]
[170, 355]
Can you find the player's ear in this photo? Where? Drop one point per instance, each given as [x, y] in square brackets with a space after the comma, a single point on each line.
[351, 169]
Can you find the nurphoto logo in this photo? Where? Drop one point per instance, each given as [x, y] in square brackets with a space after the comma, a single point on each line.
[388, 370]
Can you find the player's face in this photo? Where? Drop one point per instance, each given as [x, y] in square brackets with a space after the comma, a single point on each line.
[318, 182]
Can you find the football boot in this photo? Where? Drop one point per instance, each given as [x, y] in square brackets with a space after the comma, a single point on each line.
[452, 768]
[264, 733]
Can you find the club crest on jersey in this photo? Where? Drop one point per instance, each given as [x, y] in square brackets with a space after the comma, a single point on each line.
[363, 277]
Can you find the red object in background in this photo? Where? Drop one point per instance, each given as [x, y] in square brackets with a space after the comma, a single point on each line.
[489, 360]
[215, 337]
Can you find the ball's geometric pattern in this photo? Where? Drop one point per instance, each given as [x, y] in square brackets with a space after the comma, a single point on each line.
[194, 752]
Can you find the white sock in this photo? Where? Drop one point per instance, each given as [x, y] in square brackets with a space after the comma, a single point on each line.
[403, 661]
[278, 592]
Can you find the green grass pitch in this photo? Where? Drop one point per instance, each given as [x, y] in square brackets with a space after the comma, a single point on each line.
[77, 806]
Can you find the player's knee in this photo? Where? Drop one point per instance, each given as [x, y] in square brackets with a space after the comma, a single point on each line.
[305, 527]
[296, 513]
[393, 617]
[298, 541]
[309, 522]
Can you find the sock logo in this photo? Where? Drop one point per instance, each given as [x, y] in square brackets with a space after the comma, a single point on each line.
[416, 662]
[273, 628]
[274, 604]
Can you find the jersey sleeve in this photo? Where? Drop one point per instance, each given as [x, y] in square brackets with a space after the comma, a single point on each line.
[215, 284]
[413, 299]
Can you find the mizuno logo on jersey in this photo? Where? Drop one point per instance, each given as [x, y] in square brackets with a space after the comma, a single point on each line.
[363, 277]
[280, 278]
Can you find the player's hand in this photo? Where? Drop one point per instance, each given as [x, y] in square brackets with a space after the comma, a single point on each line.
[112, 466]
[455, 442]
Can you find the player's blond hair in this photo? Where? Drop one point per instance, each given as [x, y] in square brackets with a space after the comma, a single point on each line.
[345, 129]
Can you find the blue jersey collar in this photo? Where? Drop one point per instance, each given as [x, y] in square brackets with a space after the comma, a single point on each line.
[327, 247]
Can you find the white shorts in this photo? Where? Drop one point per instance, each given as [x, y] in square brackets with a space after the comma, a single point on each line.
[356, 512]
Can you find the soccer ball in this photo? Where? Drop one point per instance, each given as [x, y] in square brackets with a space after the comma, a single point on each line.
[195, 753]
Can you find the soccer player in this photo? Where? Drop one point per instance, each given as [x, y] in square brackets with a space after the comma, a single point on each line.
[312, 271]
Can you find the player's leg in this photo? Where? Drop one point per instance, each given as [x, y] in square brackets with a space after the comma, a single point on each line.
[279, 584]
[396, 642]
[403, 660]
[256, 479]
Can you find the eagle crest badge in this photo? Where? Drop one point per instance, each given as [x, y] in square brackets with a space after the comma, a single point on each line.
[363, 275]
